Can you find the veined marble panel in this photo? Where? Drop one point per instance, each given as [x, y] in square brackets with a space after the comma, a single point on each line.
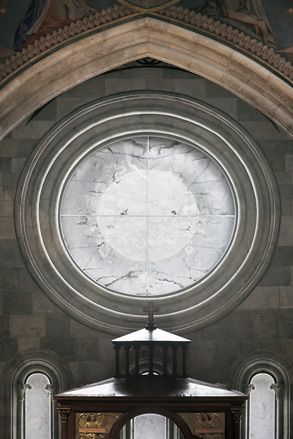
[38, 407]
[147, 216]
[262, 407]
[150, 425]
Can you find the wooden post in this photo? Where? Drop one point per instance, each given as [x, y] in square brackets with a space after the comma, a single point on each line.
[63, 416]
[117, 360]
[136, 350]
[237, 413]
[165, 360]
[184, 374]
[174, 350]
[127, 348]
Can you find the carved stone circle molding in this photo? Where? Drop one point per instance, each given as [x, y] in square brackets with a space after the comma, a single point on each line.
[120, 117]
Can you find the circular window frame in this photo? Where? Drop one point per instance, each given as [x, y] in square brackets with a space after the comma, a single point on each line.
[87, 154]
[169, 115]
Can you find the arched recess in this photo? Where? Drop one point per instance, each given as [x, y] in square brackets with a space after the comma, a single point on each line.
[16, 373]
[145, 37]
[277, 369]
[124, 419]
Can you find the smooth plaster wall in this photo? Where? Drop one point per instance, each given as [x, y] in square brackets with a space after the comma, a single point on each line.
[30, 323]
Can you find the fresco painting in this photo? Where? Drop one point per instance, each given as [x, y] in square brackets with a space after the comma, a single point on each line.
[250, 13]
[22, 22]
[43, 16]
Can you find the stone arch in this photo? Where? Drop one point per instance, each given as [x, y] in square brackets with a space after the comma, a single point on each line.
[145, 37]
[177, 419]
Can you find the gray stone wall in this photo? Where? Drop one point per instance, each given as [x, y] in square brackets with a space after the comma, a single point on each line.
[30, 323]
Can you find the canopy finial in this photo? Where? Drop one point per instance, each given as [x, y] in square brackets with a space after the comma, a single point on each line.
[150, 323]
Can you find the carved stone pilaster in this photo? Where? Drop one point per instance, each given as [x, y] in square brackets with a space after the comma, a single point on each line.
[63, 414]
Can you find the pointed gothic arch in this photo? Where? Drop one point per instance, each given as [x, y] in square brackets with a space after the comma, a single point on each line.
[135, 39]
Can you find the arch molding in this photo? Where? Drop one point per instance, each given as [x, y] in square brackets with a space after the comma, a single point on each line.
[136, 39]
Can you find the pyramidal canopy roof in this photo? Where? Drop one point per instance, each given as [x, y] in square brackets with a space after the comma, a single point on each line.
[155, 335]
[155, 387]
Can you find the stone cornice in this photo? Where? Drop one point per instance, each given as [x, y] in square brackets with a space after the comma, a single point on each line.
[217, 29]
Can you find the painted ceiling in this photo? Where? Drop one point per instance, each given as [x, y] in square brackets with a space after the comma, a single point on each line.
[270, 21]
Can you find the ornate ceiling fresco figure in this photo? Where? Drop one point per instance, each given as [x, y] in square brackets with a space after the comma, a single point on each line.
[45, 15]
[251, 12]
[247, 12]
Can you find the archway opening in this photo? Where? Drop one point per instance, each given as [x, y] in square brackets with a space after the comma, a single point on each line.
[151, 425]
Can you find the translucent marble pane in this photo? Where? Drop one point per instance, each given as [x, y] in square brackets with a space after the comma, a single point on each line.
[38, 406]
[262, 414]
[147, 216]
[149, 426]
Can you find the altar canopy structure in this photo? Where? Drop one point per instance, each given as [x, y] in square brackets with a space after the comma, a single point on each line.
[150, 378]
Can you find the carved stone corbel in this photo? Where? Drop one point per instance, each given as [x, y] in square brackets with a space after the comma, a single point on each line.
[21, 390]
[50, 389]
[278, 388]
[250, 387]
